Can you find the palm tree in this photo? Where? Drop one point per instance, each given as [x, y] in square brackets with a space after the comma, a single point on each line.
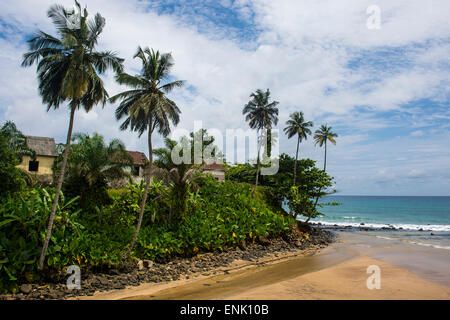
[68, 69]
[147, 108]
[91, 165]
[260, 115]
[181, 179]
[297, 125]
[164, 155]
[321, 136]
[268, 138]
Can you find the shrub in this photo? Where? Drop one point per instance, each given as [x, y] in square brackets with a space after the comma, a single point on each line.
[12, 179]
[23, 221]
[221, 215]
[218, 215]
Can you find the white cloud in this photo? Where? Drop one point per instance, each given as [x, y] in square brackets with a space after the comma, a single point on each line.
[302, 53]
[417, 133]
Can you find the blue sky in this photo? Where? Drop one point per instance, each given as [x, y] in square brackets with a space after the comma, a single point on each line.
[384, 91]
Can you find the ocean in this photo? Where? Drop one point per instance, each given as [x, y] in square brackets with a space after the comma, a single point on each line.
[412, 214]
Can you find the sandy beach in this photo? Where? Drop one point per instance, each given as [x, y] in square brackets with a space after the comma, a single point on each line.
[336, 272]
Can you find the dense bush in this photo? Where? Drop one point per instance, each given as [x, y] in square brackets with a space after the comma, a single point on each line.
[97, 240]
[12, 179]
[23, 221]
[311, 182]
[222, 215]
[218, 215]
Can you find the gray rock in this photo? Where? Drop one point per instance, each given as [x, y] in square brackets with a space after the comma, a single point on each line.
[103, 281]
[148, 263]
[114, 272]
[26, 288]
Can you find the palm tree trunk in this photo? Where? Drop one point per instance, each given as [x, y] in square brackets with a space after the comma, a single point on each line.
[257, 169]
[324, 168]
[58, 187]
[296, 158]
[257, 176]
[295, 171]
[144, 199]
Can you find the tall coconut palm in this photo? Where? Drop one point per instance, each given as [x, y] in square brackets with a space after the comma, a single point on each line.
[297, 125]
[261, 115]
[321, 136]
[145, 107]
[68, 68]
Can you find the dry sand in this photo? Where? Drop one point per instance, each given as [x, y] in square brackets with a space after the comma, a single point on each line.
[348, 281]
[337, 272]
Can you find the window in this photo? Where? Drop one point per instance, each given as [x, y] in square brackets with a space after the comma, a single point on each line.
[135, 170]
[33, 166]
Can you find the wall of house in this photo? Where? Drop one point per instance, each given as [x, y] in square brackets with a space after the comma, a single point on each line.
[220, 175]
[45, 164]
[136, 179]
[141, 171]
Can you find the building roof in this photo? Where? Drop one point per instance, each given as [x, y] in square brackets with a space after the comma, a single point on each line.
[213, 167]
[139, 158]
[42, 146]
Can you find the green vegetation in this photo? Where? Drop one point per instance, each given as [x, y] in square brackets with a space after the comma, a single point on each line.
[146, 107]
[12, 178]
[17, 142]
[90, 167]
[69, 69]
[85, 221]
[218, 215]
[311, 183]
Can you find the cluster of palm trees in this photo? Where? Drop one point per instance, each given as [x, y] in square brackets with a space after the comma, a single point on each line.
[261, 114]
[69, 69]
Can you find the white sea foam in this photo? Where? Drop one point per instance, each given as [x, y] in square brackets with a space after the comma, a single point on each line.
[386, 238]
[414, 227]
[430, 245]
[433, 245]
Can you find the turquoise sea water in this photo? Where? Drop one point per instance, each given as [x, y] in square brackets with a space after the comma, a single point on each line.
[409, 213]
[424, 221]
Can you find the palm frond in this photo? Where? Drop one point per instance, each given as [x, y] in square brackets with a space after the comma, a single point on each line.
[107, 60]
[95, 28]
[167, 88]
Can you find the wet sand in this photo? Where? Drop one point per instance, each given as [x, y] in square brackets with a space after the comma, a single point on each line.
[336, 272]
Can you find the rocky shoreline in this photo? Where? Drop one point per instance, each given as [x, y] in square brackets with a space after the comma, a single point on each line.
[134, 274]
[360, 227]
